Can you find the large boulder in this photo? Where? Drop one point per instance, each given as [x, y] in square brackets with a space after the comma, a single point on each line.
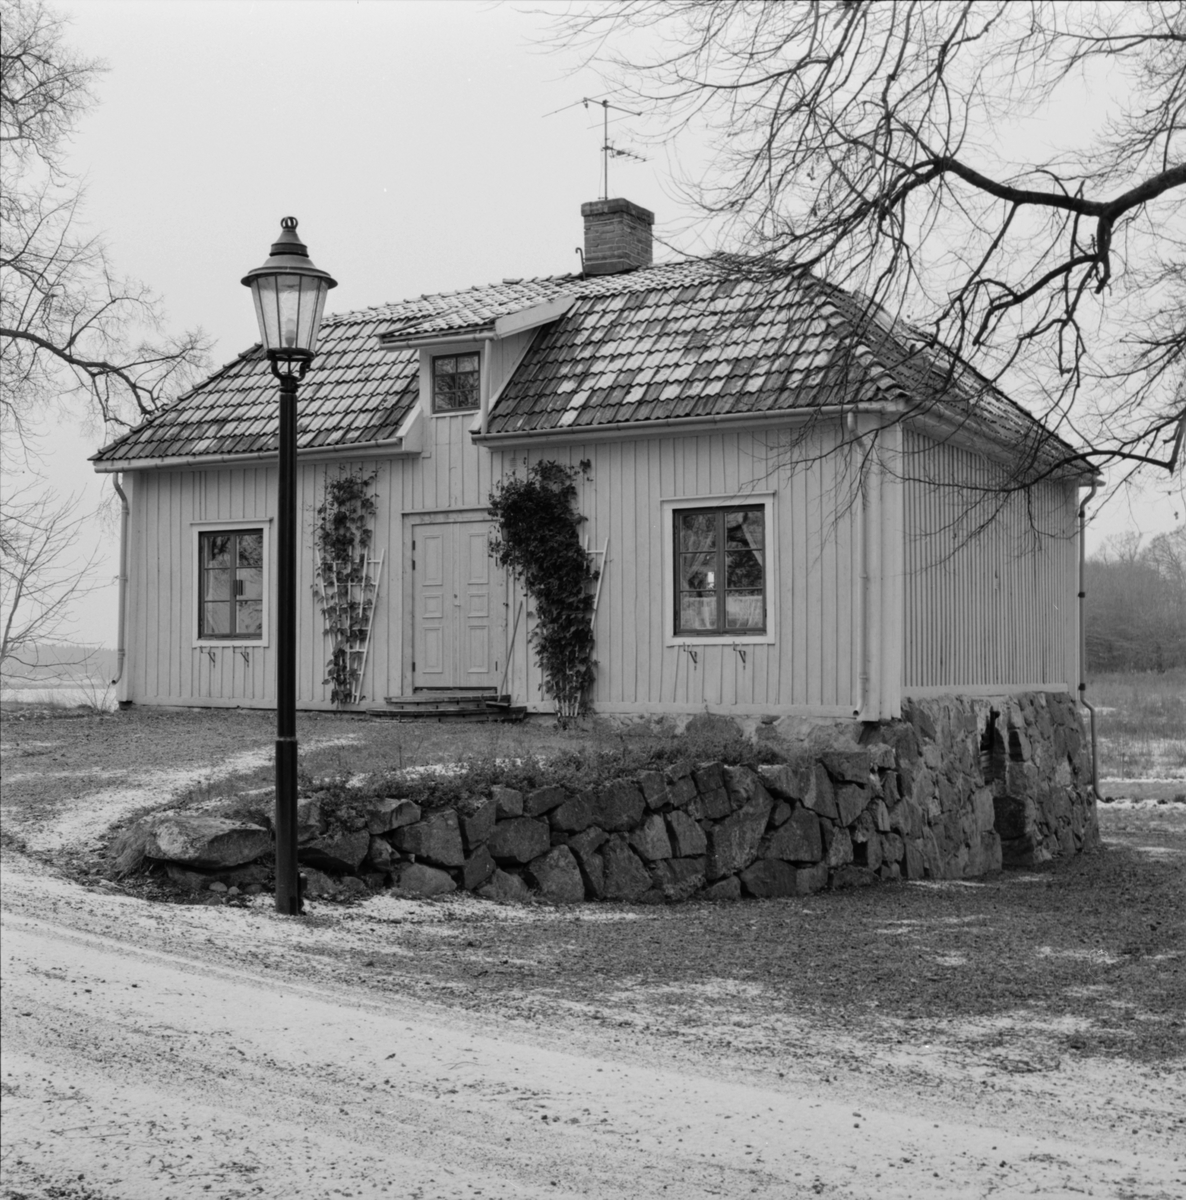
[618, 807]
[733, 842]
[678, 878]
[390, 813]
[557, 876]
[519, 840]
[573, 815]
[504, 886]
[437, 839]
[687, 838]
[423, 880]
[340, 852]
[206, 842]
[477, 826]
[650, 839]
[625, 876]
[798, 840]
[543, 800]
[710, 785]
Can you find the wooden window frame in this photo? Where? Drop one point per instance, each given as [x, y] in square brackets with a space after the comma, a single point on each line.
[669, 508]
[438, 411]
[207, 528]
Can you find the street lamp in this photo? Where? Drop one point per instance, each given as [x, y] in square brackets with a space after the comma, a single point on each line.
[289, 293]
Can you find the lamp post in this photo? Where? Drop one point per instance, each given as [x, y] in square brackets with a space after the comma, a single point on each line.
[289, 293]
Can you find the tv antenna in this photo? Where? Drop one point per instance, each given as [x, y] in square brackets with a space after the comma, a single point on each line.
[608, 149]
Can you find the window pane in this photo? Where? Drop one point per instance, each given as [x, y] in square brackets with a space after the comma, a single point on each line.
[743, 610]
[697, 572]
[743, 569]
[744, 527]
[467, 362]
[218, 585]
[697, 611]
[251, 584]
[444, 366]
[697, 531]
[251, 549]
[466, 395]
[249, 617]
[216, 549]
[216, 619]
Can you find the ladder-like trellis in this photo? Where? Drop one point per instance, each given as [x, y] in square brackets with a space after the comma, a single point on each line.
[348, 609]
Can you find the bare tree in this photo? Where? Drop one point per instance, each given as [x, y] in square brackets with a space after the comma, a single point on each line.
[69, 324]
[878, 145]
[42, 576]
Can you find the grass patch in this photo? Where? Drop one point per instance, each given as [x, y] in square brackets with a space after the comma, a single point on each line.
[1141, 724]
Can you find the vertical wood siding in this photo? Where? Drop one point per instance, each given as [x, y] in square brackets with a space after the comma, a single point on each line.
[990, 580]
[809, 664]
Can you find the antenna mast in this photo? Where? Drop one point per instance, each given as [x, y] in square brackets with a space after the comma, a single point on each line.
[608, 149]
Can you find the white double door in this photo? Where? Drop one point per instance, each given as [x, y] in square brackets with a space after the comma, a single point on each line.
[460, 616]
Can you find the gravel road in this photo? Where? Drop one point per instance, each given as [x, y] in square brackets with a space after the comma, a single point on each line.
[446, 1049]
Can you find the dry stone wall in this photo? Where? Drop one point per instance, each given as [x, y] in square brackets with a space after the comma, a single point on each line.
[955, 789]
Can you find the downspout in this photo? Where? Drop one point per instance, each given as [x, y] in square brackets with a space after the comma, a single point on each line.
[864, 642]
[120, 650]
[1095, 777]
[484, 386]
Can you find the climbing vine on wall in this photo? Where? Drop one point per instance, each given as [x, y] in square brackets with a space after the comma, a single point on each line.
[343, 583]
[538, 540]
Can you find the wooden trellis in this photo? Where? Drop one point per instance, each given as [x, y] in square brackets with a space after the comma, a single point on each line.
[348, 608]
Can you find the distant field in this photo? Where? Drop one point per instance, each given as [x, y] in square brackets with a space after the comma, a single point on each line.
[1142, 724]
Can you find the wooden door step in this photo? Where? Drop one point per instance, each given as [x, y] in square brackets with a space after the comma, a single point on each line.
[450, 706]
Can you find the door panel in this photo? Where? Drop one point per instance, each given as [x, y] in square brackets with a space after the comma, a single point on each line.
[458, 607]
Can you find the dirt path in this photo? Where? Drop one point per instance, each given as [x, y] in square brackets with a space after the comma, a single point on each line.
[948, 1040]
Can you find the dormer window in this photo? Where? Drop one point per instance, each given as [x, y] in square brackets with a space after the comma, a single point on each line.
[455, 382]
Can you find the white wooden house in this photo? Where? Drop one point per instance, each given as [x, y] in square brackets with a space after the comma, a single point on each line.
[795, 507]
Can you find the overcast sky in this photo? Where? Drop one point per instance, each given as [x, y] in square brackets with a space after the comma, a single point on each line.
[411, 139]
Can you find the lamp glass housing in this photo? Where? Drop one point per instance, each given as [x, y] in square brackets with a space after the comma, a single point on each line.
[288, 308]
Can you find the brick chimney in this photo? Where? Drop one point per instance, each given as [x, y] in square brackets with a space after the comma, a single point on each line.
[617, 236]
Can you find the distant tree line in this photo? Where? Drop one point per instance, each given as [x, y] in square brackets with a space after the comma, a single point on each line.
[1135, 610]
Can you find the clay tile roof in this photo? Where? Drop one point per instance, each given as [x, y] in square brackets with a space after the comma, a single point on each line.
[705, 338]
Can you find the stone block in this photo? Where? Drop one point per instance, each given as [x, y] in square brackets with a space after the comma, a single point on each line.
[423, 880]
[863, 828]
[811, 879]
[437, 838]
[310, 821]
[505, 886]
[618, 807]
[681, 792]
[723, 889]
[587, 840]
[733, 842]
[477, 869]
[519, 840]
[769, 877]
[742, 784]
[820, 795]
[893, 848]
[984, 808]
[318, 886]
[650, 839]
[679, 878]
[881, 818]
[508, 801]
[687, 838]
[839, 848]
[543, 800]
[339, 852]
[913, 863]
[787, 781]
[851, 801]
[797, 840]
[206, 842]
[390, 813]
[848, 766]
[574, 814]
[477, 826]
[592, 867]
[852, 876]
[625, 876]
[780, 813]
[869, 853]
[557, 876]
[653, 788]
[379, 854]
